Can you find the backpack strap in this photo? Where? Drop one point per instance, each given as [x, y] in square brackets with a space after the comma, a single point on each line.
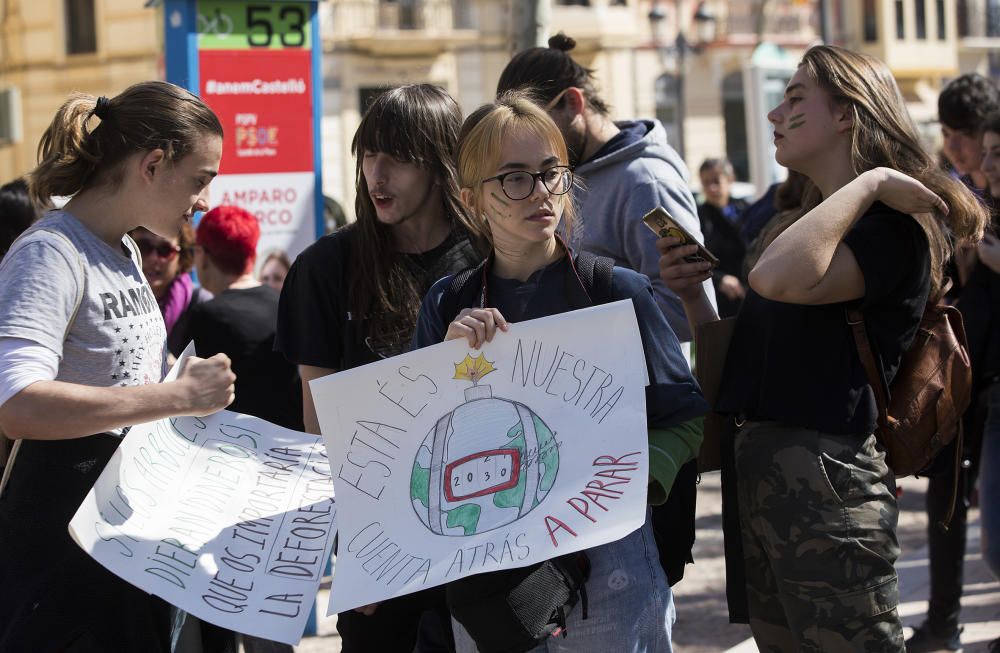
[461, 292]
[593, 277]
[856, 320]
[587, 284]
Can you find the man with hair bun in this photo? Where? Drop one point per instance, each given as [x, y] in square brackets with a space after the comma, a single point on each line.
[242, 318]
[627, 167]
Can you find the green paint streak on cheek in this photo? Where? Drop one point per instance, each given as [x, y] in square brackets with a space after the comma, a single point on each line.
[497, 214]
[797, 124]
[499, 199]
[797, 117]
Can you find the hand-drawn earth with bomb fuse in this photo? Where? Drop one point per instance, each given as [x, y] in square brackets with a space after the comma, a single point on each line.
[484, 465]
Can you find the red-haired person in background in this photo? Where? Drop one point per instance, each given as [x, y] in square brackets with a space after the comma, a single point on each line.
[241, 319]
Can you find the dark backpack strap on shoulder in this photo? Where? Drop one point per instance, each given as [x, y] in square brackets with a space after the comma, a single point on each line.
[595, 276]
[461, 292]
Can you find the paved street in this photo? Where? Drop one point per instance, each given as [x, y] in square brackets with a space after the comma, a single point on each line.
[702, 624]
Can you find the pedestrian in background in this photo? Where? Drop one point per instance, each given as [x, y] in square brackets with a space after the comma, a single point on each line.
[274, 269]
[980, 306]
[962, 109]
[17, 212]
[241, 319]
[83, 351]
[813, 541]
[721, 218]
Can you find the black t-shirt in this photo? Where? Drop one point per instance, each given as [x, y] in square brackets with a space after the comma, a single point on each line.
[722, 238]
[315, 325]
[980, 306]
[799, 364]
[979, 302]
[241, 324]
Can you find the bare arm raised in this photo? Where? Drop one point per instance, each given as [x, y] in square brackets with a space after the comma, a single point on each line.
[808, 263]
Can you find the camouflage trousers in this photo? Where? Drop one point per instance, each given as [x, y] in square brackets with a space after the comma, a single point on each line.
[818, 517]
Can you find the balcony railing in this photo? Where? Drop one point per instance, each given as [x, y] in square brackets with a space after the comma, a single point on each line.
[978, 18]
[787, 18]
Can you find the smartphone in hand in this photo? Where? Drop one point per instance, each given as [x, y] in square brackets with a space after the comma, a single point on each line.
[663, 224]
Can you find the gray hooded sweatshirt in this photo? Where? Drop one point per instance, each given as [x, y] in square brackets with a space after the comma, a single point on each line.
[621, 186]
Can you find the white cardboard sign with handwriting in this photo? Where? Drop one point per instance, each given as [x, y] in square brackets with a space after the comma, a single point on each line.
[449, 462]
[228, 517]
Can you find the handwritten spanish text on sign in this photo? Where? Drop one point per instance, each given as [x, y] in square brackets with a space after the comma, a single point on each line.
[228, 517]
[449, 462]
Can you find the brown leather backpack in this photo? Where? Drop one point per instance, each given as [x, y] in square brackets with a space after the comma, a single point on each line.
[931, 390]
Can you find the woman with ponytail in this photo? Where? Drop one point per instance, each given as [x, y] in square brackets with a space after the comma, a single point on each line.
[816, 501]
[83, 350]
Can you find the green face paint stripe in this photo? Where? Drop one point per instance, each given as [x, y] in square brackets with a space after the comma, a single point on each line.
[499, 199]
[797, 125]
[497, 214]
[797, 117]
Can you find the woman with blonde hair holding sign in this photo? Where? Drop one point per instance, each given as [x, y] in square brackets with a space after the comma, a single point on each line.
[512, 164]
[83, 350]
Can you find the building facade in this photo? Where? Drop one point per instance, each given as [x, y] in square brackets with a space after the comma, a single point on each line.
[681, 61]
[51, 48]
[694, 64]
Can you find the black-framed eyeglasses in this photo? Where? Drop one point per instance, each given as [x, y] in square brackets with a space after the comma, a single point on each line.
[519, 184]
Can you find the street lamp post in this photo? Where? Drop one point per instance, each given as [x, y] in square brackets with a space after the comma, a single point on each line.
[702, 17]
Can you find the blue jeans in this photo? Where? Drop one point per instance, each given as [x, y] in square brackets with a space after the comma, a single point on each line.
[631, 607]
[989, 483]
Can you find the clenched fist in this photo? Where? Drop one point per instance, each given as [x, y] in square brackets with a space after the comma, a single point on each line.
[206, 385]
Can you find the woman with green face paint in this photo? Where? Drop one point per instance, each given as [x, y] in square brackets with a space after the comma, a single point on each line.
[816, 501]
[512, 167]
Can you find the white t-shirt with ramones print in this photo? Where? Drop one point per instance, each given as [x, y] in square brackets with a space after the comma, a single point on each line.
[117, 338]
